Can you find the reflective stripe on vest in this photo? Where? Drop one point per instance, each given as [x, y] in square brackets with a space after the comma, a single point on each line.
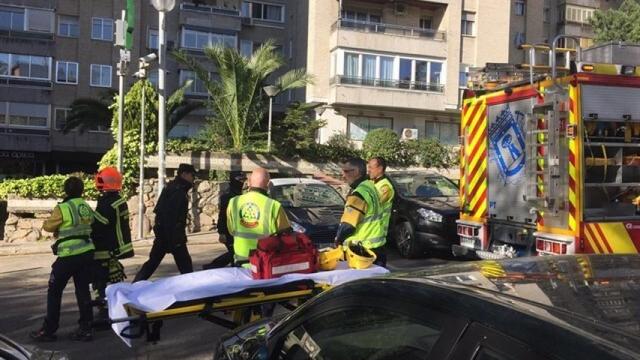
[369, 232]
[386, 207]
[252, 217]
[73, 234]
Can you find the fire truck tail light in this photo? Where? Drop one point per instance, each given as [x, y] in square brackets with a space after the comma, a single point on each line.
[551, 247]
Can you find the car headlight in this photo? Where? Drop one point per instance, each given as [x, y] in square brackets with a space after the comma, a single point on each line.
[430, 215]
[297, 227]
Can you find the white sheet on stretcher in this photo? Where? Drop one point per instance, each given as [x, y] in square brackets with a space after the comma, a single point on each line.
[158, 295]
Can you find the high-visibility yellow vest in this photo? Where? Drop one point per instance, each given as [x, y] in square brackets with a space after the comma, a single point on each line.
[369, 232]
[386, 206]
[251, 216]
[73, 234]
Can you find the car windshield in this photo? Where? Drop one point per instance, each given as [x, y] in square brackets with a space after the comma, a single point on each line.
[424, 186]
[306, 195]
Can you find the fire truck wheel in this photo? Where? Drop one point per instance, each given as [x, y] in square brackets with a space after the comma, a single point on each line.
[406, 240]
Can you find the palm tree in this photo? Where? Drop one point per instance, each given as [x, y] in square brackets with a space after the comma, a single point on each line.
[89, 113]
[236, 98]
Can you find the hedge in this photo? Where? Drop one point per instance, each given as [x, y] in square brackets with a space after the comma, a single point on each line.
[45, 187]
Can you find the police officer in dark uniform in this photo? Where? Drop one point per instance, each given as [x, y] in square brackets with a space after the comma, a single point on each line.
[171, 221]
[236, 183]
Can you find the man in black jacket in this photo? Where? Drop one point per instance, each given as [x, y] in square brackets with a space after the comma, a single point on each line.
[236, 183]
[171, 221]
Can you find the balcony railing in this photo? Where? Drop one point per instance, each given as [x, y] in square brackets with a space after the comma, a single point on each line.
[390, 29]
[209, 9]
[386, 83]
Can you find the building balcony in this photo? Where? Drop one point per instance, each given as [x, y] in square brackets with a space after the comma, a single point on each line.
[386, 83]
[214, 18]
[388, 37]
[209, 9]
[396, 94]
[17, 139]
[90, 141]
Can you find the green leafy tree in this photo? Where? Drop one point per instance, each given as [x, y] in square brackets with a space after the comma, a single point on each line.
[236, 97]
[177, 109]
[622, 24]
[297, 131]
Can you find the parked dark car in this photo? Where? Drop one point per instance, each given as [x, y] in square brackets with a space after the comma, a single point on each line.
[312, 206]
[536, 308]
[10, 350]
[425, 211]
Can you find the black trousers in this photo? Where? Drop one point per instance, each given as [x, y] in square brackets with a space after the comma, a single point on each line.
[180, 255]
[77, 267]
[222, 260]
[381, 256]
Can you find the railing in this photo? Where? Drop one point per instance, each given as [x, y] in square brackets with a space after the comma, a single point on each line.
[209, 9]
[36, 35]
[41, 83]
[386, 83]
[390, 29]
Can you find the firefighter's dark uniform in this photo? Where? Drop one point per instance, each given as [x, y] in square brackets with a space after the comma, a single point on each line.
[111, 236]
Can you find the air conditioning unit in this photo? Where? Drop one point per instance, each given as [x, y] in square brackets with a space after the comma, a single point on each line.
[409, 134]
[247, 21]
[400, 8]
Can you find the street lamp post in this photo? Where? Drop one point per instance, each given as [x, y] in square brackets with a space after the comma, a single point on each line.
[143, 64]
[271, 91]
[162, 6]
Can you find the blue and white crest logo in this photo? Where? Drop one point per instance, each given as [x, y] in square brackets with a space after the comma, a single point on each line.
[507, 142]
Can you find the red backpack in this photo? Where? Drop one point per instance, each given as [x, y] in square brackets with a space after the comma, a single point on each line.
[282, 254]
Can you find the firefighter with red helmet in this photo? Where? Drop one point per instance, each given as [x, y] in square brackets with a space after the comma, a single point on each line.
[111, 234]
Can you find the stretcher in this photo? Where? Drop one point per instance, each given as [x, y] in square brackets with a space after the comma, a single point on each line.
[228, 297]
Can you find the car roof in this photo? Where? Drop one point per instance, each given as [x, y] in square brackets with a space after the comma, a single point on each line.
[597, 294]
[294, 181]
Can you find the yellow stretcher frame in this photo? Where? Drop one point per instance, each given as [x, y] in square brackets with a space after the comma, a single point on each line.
[241, 306]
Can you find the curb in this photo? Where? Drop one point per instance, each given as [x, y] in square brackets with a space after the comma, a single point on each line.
[197, 239]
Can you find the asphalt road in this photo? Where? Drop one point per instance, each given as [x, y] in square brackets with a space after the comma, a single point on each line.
[23, 284]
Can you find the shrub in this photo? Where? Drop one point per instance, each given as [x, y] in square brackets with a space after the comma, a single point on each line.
[431, 153]
[45, 187]
[384, 143]
[297, 131]
[337, 148]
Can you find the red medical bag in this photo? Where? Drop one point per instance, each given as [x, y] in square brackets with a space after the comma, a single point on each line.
[282, 254]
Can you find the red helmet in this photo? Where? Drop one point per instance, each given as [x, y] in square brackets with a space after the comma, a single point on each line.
[108, 179]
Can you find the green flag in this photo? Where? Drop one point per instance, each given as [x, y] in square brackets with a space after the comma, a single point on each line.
[131, 20]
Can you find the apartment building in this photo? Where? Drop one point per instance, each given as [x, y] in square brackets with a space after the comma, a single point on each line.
[401, 64]
[54, 51]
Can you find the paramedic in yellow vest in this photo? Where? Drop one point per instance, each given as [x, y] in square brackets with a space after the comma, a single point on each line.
[71, 224]
[254, 215]
[376, 168]
[362, 218]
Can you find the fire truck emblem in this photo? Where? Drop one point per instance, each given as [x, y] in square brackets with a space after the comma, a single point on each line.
[507, 142]
[249, 215]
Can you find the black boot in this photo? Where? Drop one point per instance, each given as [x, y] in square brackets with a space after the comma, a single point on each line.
[42, 336]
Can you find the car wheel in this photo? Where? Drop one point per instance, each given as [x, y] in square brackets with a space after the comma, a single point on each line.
[406, 240]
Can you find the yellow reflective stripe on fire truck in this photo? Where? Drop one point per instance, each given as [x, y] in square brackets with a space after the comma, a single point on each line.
[610, 238]
[474, 176]
[573, 160]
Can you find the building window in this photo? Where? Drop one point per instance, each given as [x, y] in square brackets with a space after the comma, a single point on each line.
[263, 11]
[359, 126]
[152, 39]
[468, 23]
[197, 87]
[444, 132]
[519, 39]
[102, 29]
[100, 75]
[520, 7]
[68, 26]
[25, 66]
[66, 72]
[463, 77]
[377, 70]
[198, 40]
[546, 15]
[12, 18]
[26, 114]
[426, 22]
[60, 118]
[246, 48]
[577, 14]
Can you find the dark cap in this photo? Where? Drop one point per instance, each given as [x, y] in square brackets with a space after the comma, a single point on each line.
[238, 176]
[186, 168]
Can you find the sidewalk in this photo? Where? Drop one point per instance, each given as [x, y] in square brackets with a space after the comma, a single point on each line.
[44, 247]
